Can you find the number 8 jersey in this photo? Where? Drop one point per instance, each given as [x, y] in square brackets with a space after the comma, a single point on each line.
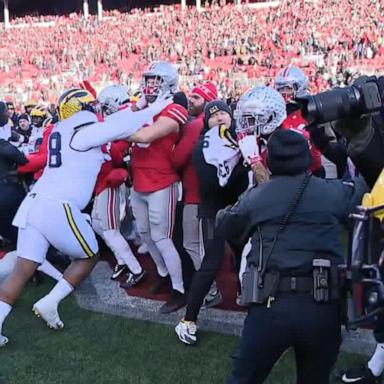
[59, 181]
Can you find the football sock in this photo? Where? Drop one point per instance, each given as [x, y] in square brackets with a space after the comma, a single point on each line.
[50, 270]
[60, 291]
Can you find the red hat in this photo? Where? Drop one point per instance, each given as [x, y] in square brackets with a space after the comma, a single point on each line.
[207, 91]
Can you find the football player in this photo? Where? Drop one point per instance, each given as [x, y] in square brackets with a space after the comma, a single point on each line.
[39, 119]
[155, 181]
[291, 82]
[51, 212]
[110, 194]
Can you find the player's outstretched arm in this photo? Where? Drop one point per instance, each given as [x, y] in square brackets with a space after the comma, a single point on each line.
[117, 126]
[161, 128]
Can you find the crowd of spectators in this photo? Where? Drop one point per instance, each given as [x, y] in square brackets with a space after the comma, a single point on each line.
[233, 46]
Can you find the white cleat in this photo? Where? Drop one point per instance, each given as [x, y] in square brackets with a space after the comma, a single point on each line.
[48, 312]
[3, 341]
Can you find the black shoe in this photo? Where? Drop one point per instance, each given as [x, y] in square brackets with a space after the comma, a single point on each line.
[176, 301]
[212, 300]
[157, 286]
[119, 269]
[360, 375]
[133, 279]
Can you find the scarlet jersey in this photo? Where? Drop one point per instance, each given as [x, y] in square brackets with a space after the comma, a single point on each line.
[108, 177]
[182, 159]
[152, 168]
[38, 159]
[296, 121]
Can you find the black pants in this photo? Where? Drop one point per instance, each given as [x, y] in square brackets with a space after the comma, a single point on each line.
[313, 330]
[210, 266]
[11, 196]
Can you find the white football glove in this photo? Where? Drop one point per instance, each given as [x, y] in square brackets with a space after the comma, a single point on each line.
[249, 148]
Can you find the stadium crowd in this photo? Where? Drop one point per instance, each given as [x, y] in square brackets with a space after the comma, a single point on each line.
[231, 46]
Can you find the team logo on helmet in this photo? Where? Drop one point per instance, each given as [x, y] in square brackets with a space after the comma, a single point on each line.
[73, 101]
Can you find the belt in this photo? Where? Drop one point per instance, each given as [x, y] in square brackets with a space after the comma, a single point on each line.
[296, 284]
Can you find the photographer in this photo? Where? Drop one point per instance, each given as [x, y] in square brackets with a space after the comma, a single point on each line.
[356, 114]
[287, 284]
[365, 137]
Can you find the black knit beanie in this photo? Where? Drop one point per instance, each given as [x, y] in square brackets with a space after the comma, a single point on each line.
[25, 116]
[214, 106]
[288, 153]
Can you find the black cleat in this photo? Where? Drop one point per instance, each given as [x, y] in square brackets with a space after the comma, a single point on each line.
[133, 279]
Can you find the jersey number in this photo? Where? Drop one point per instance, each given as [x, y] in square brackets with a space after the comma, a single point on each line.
[54, 150]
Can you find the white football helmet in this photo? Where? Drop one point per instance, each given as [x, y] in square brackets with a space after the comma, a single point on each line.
[160, 78]
[291, 82]
[112, 97]
[260, 111]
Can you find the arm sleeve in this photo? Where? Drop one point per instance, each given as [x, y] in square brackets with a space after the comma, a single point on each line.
[184, 148]
[369, 158]
[355, 195]
[38, 160]
[233, 221]
[117, 126]
[10, 152]
[176, 112]
[349, 194]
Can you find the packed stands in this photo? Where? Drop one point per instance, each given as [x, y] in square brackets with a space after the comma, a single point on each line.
[233, 46]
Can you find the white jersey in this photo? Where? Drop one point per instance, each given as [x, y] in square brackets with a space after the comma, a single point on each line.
[74, 151]
[70, 175]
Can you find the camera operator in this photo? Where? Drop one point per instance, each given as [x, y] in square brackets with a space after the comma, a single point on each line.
[355, 113]
[12, 191]
[289, 282]
[365, 144]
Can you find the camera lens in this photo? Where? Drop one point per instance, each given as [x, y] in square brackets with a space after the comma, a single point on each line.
[331, 105]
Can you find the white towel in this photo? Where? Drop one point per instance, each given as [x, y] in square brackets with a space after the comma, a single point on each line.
[221, 150]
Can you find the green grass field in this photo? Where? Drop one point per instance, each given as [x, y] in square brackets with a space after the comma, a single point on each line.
[97, 348]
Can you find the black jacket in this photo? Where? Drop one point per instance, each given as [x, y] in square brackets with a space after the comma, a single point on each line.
[10, 157]
[369, 158]
[313, 231]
